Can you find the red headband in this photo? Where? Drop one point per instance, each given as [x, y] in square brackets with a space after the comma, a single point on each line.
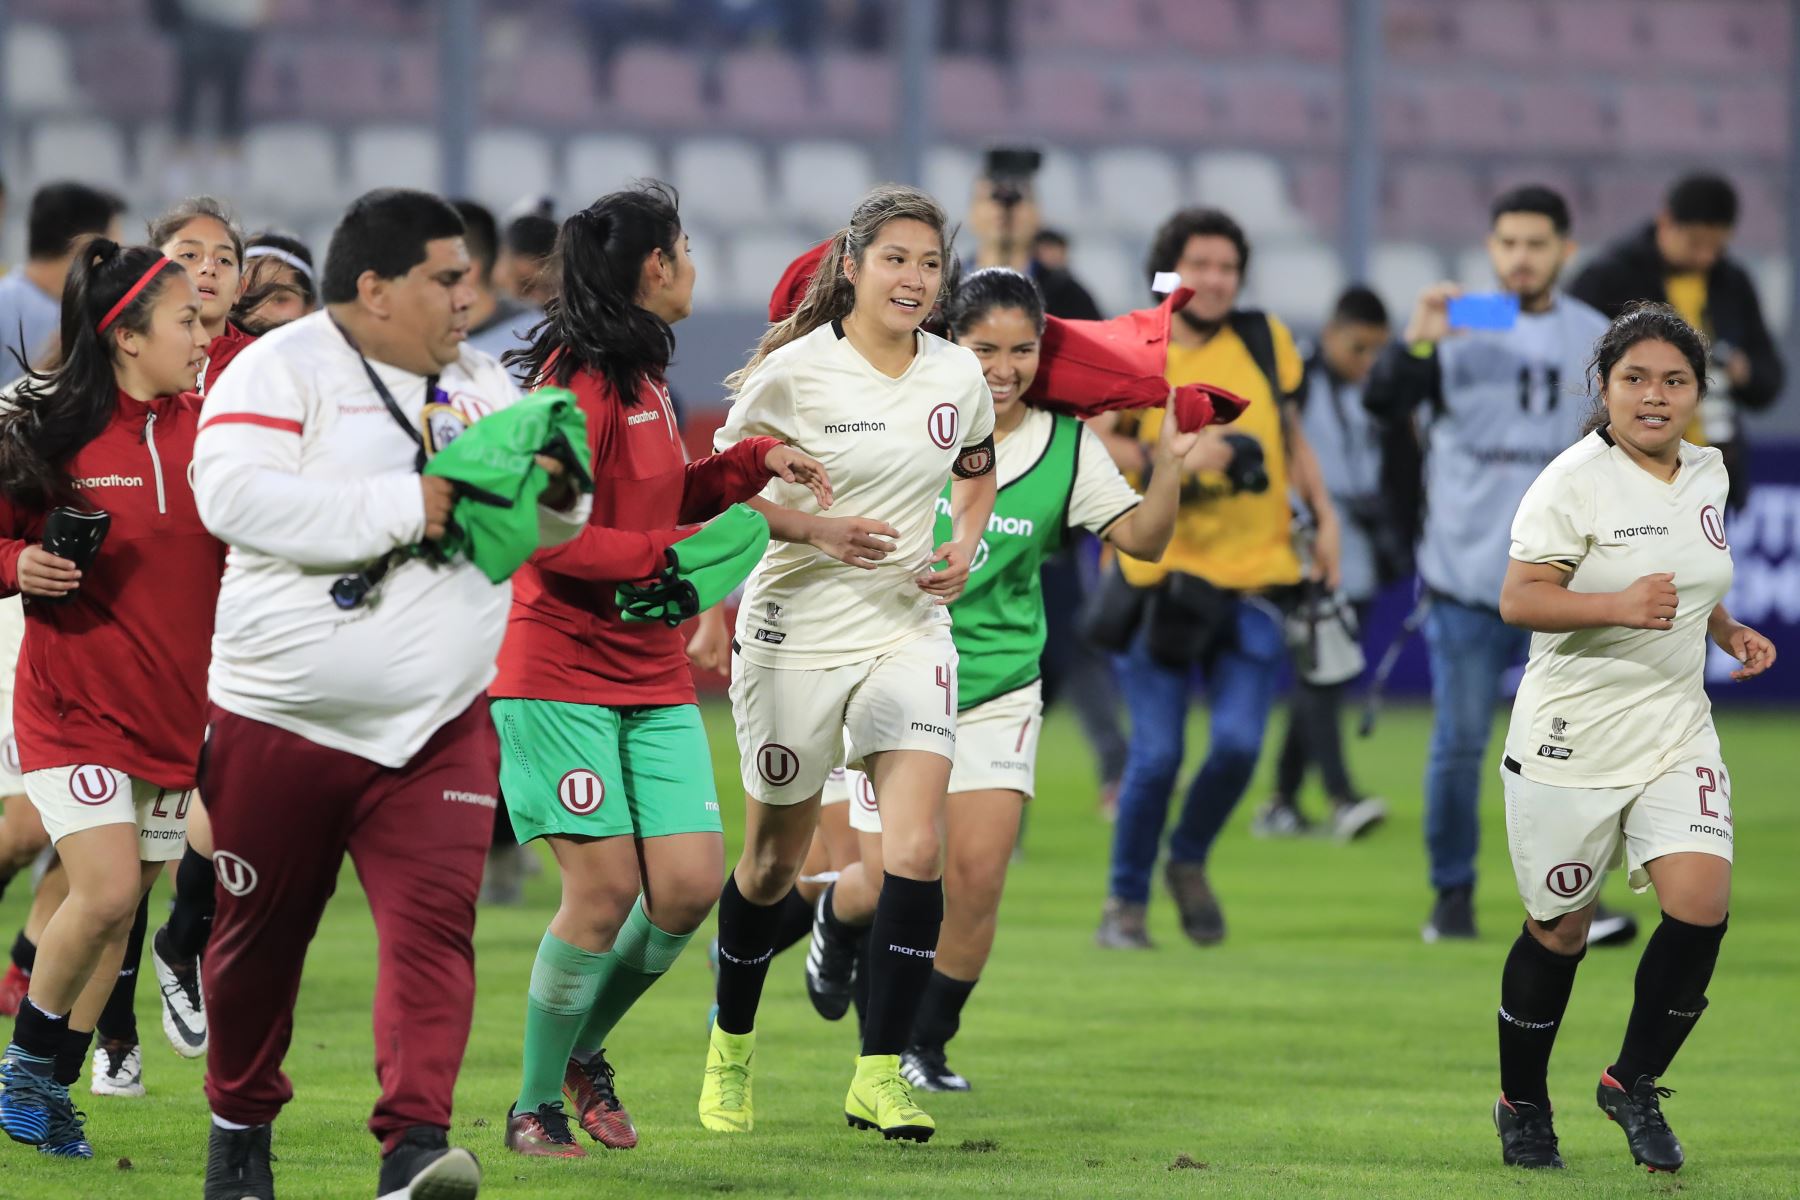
[112, 314]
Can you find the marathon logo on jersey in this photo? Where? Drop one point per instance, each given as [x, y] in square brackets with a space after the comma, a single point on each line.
[235, 875]
[649, 414]
[476, 798]
[856, 427]
[1641, 531]
[1713, 830]
[928, 727]
[772, 636]
[581, 792]
[96, 481]
[1560, 753]
[1007, 526]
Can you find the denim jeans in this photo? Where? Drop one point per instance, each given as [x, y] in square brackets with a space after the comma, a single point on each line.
[1471, 648]
[1240, 684]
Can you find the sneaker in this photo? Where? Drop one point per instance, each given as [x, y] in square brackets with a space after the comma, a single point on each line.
[725, 1093]
[542, 1133]
[588, 1087]
[830, 965]
[880, 1098]
[1201, 918]
[1452, 917]
[712, 966]
[1353, 819]
[1527, 1139]
[183, 1011]
[424, 1166]
[237, 1164]
[1638, 1111]
[925, 1068]
[118, 1069]
[32, 1101]
[1612, 927]
[1123, 927]
[13, 986]
[1280, 819]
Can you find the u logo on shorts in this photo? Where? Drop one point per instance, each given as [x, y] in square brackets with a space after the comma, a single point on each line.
[235, 875]
[1568, 879]
[777, 764]
[93, 786]
[581, 792]
[865, 794]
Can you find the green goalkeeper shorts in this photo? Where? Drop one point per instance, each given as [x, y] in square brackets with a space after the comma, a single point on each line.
[585, 770]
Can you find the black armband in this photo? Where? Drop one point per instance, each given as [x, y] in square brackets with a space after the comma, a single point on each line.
[975, 461]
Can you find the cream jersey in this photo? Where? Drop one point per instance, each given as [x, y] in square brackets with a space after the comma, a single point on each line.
[888, 445]
[1616, 707]
[1100, 494]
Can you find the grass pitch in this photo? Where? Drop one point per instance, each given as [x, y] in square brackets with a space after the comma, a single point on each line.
[1321, 1051]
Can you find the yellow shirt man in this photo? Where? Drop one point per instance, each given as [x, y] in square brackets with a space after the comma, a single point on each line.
[1243, 541]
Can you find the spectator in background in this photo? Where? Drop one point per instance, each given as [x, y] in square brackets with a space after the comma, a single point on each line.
[497, 323]
[1003, 218]
[522, 268]
[1050, 249]
[1347, 443]
[62, 216]
[279, 283]
[1200, 613]
[213, 42]
[1681, 258]
[1496, 406]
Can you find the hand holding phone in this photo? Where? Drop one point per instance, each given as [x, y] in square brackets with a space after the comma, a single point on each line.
[1483, 310]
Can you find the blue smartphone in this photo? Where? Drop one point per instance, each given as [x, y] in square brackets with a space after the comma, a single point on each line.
[1484, 310]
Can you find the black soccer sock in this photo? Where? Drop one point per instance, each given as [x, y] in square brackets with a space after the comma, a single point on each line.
[118, 1020]
[1534, 992]
[796, 920]
[24, 953]
[902, 945]
[71, 1055]
[859, 990]
[940, 1011]
[38, 1033]
[746, 944]
[190, 921]
[1672, 976]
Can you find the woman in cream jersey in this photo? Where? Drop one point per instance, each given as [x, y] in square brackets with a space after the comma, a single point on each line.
[1619, 567]
[823, 646]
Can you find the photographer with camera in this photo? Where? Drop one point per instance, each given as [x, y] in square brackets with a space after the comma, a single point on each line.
[1681, 259]
[1003, 218]
[1202, 610]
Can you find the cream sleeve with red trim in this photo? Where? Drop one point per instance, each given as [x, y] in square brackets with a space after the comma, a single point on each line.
[264, 482]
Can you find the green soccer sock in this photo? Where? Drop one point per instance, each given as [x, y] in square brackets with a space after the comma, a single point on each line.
[564, 981]
[640, 955]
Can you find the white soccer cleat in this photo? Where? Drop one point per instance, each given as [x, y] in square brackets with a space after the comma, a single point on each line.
[118, 1069]
[183, 1010]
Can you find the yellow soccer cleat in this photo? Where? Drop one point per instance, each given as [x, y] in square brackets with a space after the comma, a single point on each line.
[725, 1093]
[880, 1098]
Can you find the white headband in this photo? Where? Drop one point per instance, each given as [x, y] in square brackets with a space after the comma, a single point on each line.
[292, 260]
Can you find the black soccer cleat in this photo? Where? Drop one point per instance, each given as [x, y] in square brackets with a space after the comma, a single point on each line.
[424, 1166]
[1527, 1138]
[830, 965]
[926, 1069]
[1638, 1111]
[237, 1164]
[1611, 927]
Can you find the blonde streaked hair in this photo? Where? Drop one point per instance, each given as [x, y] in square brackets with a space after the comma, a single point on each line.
[831, 296]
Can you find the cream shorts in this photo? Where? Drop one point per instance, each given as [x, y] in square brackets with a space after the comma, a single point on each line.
[71, 799]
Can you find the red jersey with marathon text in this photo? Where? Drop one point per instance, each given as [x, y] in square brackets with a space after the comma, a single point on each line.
[219, 353]
[565, 640]
[115, 675]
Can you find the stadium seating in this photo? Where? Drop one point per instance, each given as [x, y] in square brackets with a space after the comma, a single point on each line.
[1399, 271]
[820, 182]
[79, 148]
[1136, 188]
[394, 156]
[1250, 185]
[292, 166]
[1297, 280]
[598, 163]
[36, 73]
[505, 164]
[721, 180]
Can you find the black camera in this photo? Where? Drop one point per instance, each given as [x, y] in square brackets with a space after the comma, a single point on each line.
[1011, 169]
[1247, 471]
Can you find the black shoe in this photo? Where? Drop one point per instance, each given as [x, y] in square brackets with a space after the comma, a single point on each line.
[924, 1067]
[1527, 1139]
[1611, 927]
[424, 1166]
[1639, 1113]
[1201, 917]
[1453, 916]
[237, 1164]
[830, 964]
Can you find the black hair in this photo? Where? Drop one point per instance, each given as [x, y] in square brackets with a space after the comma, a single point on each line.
[595, 322]
[1645, 321]
[532, 235]
[1533, 198]
[59, 411]
[1051, 237]
[1359, 305]
[170, 223]
[385, 231]
[1703, 199]
[62, 212]
[988, 289]
[481, 234]
[258, 289]
[1172, 238]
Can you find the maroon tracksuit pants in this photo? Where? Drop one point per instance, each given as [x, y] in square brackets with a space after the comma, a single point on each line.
[285, 811]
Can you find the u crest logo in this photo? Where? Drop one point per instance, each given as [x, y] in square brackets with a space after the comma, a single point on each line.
[581, 792]
[93, 786]
[1568, 879]
[942, 426]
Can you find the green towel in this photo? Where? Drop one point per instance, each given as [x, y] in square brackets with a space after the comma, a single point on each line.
[703, 569]
[498, 482]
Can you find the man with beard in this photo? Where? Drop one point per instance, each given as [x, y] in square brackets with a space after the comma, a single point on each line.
[1493, 406]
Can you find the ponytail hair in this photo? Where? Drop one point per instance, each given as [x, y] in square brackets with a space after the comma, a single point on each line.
[57, 412]
[989, 289]
[831, 296]
[595, 322]
[1645, 321]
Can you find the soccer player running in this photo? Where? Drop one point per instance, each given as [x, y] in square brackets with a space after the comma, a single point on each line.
[1619, 567]
[598, 721]
[110, 707]
[854, 638]
[362, 728]
[200, 235]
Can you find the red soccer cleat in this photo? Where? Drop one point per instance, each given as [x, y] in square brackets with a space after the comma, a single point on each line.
[588, 1087]
[13, 986]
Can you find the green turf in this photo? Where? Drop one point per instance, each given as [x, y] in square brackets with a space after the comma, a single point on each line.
[1321, 1051]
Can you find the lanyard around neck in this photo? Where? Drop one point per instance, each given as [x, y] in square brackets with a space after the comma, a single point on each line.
[387, 397]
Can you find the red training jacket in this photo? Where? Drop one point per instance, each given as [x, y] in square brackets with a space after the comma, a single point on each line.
[220, 351]
[115, 675]
[565, 640]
